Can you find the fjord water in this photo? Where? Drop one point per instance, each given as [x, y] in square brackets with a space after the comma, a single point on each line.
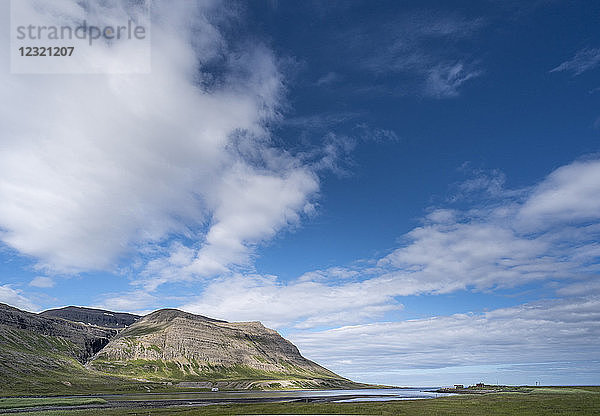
[408, 393]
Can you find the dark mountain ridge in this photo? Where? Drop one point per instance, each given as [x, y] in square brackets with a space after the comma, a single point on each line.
[87, 338]
[97, 317]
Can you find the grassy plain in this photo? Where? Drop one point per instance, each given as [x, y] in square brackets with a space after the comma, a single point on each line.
[20, 402]
[561, 401]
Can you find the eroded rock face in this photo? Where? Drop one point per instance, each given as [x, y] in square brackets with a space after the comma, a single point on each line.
[97, 317]
[196, 343]
[88, 339]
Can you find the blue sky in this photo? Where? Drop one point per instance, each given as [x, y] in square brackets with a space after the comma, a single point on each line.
[409, 191]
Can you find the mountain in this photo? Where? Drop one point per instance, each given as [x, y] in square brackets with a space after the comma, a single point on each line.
[46, 355]
[84, 340]
[97, 317]
[50, 353]
[173, 345]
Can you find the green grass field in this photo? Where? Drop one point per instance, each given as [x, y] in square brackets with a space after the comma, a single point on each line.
[18, 402]
[542, 401]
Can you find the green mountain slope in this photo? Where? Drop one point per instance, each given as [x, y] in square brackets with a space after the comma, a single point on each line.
[46, 356]
[87, 339]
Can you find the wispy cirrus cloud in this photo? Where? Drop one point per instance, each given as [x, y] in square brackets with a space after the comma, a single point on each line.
[584, 60]
[42, 282]
[327, 79]
[446, 79]
[424, 48]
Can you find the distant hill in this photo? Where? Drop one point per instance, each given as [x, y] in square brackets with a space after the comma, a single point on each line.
[98, 317]
[49, 353]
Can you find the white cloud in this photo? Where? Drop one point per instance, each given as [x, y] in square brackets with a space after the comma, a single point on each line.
[95, 168]
[14, 297]
[546, 232]
[442, 258]
[303, 303]
[327, 79]
[542, 332]
[249, 207]
[42, 282]
[137, 301]
[584, 60]
[445, 80]
[569, 194]
[581, 288]
[482, 185]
